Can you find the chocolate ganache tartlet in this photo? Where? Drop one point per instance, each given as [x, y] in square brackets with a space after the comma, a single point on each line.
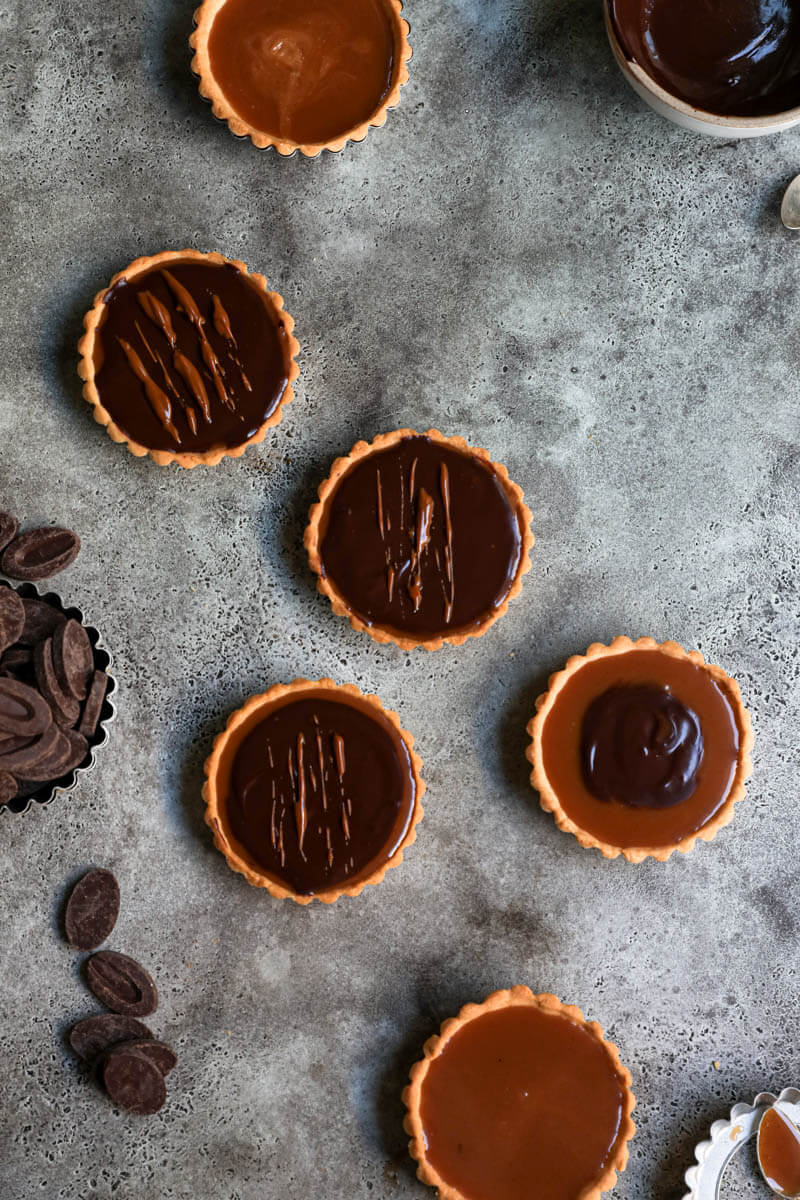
[308, 76]
[313, 791]
[519, 1097]
[419, 539]
[639, 748]
[188, 357]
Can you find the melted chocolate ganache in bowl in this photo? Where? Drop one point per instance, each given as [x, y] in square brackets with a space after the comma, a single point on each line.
[734, 58]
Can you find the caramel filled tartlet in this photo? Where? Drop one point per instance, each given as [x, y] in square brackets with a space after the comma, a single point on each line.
[309, 76]
[518, 1097]
[640, 749]
[313, 791]
[188, 357]
[419, 539]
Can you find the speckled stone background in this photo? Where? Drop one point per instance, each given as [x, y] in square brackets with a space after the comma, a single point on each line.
[524, 255]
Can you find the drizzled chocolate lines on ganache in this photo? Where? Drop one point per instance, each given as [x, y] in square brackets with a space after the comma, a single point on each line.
[421, 537]
[200, 344]
[319, 788]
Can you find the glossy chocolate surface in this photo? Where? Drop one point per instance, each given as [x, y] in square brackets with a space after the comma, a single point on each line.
[617, 823]
[190, 356]
[641, 746]
[729, 57]
[305, 72]
[779, 1152]
[421, 539]
[318, 790]
[522, 1104]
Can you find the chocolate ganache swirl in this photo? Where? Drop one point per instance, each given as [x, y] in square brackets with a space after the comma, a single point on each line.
[189, 356]
[641, 746]
[321, 791]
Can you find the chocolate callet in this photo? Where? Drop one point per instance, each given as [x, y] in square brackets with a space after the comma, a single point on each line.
[73, 659]
[8, 529]
[23, 758]
[735, 58]
[40, 553]
[641, 746]
[122, 984]
[133, 1081]
[94, 704]
[65, 708]
[12, 618]
[92, 910]
[197, 383]
[421, 538]
[321, 791]
[94, 1035]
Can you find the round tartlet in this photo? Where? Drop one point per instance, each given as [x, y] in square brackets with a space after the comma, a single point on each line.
[406, 566]
[692, 704]
[307, 812]
[267, 105]
[516, 1097]
[167, 381]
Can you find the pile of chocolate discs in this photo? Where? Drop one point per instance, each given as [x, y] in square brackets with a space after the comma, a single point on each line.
[131, 1062]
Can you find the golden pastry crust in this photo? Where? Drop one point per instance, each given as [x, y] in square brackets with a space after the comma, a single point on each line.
[314, 535]
[86, 368]
[515, 996]
[221, 107]
[547, 795]
[215, 817]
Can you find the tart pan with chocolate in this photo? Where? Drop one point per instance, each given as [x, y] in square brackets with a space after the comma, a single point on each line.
[307, 76]
[519, 1097]
[55, 698]
[419, 539]
[313, 791]
[640, 749]
[188, 357]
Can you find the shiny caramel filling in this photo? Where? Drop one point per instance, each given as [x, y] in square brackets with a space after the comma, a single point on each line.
[522, 1103]
[641, 748]
[305, 72]
[779, 1152]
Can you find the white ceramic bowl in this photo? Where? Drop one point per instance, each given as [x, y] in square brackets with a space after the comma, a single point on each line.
[686, 115]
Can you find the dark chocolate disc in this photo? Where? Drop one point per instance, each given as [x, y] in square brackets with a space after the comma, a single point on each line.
[8, 529]
[40, 553]
[12, 618]
[121, 984]
[92, 910]
[94, 704]
[190, 356]
[94, 1035]
[322, 790]
[421, 539]
[73, 659]
[23, 757]
[133, 1081]
[65, 707]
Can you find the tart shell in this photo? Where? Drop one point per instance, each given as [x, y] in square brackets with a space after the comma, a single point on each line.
[86, 368]
[223, 110]
[512, 997]
[215, 818]
[548, 797]
[314, 536]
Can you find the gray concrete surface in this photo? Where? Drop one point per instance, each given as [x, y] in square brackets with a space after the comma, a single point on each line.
[526, 256]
